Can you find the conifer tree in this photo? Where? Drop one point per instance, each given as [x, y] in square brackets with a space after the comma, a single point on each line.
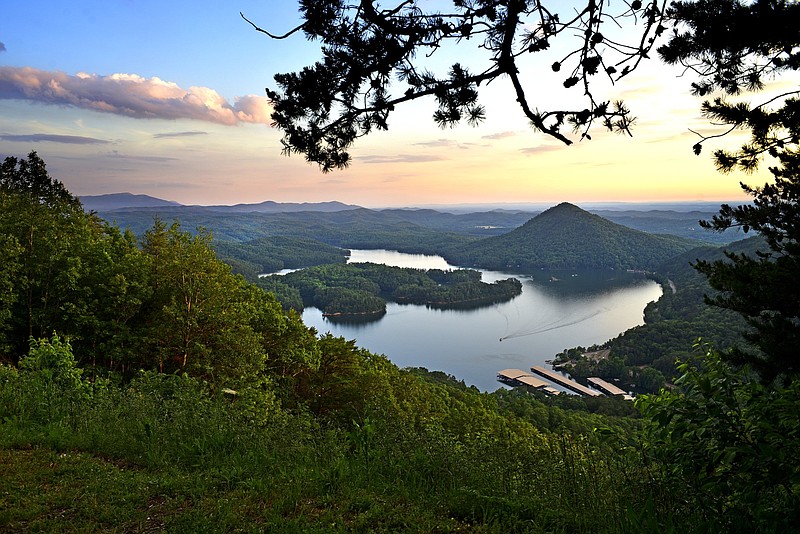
[734, 47]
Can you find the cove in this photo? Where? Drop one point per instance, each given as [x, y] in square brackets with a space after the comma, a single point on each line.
[556, 310]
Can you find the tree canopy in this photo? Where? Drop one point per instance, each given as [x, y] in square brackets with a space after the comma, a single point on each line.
[375, 59]
[734, 47]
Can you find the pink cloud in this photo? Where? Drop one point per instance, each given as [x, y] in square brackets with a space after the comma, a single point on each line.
[499, 135]
[529, 151]
[131, 95]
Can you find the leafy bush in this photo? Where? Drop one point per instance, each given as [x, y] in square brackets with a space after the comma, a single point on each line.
[730, 444]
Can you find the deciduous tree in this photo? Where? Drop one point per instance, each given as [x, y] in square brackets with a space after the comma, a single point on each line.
[45, 220]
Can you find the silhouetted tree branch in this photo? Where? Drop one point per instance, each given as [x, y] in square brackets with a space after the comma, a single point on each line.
[374, 59]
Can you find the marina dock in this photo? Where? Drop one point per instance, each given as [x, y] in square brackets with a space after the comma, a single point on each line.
[518, 377]
[606, 387]
[609, 389]
[565, 382]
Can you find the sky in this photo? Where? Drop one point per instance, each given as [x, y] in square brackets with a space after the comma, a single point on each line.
[167, 99]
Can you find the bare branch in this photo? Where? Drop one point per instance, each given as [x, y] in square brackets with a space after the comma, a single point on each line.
[268, 34]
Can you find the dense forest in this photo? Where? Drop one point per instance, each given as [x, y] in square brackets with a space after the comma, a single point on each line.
[658, 218]
[355, 228]
[171, 394]
[364, 288]
[273, 254]
[257, 242]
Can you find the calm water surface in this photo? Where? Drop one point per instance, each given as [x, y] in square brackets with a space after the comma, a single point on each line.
[575, 309]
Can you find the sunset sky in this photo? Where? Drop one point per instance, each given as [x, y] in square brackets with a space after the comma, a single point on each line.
[167, 99]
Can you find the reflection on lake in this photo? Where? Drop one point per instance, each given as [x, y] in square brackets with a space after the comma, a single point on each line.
[555, 311]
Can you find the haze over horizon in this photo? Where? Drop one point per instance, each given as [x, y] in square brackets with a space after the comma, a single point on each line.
[131, 200]
[167, 100]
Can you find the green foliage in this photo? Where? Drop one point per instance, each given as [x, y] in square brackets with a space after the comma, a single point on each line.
[288, 296]
[568, 414]
[734, 46]
[10, 251]
[363, 288]
[730, 444]
[104, 308]
[49, 386]
[240, 400]
[200, 318]
[386, 450]
[41, 225]
[764, 287]
[748, 43]
[672, 324]
[271, 254]
[52, 362]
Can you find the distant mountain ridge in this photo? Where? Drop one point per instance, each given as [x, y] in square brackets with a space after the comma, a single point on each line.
[129, 201]
[269, 206]
[115, 201]
[568, 237]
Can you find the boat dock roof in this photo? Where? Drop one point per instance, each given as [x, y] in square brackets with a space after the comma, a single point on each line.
[564, 381]
[602, 385]
[518, 377]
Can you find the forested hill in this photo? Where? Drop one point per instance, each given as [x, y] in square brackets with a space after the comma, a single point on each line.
[567, 237]
[356, 228]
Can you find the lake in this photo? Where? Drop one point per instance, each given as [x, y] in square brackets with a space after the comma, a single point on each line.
[556, 311]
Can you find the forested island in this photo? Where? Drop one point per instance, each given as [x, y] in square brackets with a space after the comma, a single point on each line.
[363, 288]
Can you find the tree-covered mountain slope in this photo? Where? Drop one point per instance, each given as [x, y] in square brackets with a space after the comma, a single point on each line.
[673, 324]
[357, 228]
[272, 254]
[567, 237]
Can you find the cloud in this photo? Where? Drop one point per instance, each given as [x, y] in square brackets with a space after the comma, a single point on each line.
[53, 138]
[401, 158]
[437, 143]
[533, 150]
[131, 95]
[445, 143]
[499, 135]
[157, 159]
[177, 134]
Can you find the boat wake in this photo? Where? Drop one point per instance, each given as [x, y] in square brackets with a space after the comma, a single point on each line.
[561, 322]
